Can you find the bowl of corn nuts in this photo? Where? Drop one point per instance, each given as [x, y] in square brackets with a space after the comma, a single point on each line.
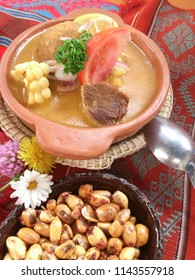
[88, 216]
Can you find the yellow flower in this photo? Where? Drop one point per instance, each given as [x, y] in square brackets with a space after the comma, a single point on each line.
[34, 156]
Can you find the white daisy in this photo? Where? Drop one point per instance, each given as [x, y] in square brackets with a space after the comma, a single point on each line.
[32, 188]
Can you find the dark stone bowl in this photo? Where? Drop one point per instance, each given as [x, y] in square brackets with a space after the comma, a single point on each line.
[139, 204]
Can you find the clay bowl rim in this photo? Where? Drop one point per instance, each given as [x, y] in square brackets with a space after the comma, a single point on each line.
[100, 180]
[110, 133]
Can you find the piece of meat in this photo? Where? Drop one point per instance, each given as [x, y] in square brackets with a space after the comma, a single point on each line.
[50, 39]
[103, 103]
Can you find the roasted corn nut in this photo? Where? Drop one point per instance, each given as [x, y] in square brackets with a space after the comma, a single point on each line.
[73, 200]
[34, 252]
[85, 191]
[127, 253]
[16, 247]
[46, 216]
[121, 199]
[55, 230]
[48, 246]
[106, 212]
[82, 225]
[81, 240]
[142, 235]
[96, 237]
[129, 234]
[98, 199]
[48, 256]
[114, 246]
[42, 228]
[92, 254]
[116, 228]
[65, 250]
[64, 213]
[51, 204]
[28, 217]
[7, 257]
[28, 235]
[123, 215]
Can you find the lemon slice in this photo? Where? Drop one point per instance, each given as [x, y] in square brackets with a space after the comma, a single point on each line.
[95, 23]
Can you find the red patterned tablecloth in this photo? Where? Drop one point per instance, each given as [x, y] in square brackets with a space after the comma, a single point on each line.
[172, 29]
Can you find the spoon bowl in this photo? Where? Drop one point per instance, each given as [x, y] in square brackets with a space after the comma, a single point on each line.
[171, 145]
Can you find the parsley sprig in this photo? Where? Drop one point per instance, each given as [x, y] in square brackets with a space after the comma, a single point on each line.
[73, 53]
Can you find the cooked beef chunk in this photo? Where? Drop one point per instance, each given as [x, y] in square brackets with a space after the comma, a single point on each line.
[103, 103]
[50, 39]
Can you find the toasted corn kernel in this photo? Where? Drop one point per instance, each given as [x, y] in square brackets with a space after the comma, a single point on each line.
[42, 228]
[64, 213]
[96, 237]
[114, 246]
[85, 191]
[65, 250]
[48, 256]
[112, 257]
[129, 234]
[34, 252]
[7, 257]
[81, 225]
[55, 230]
[46, 216]
[28, 235]
[123, 215]
[82, 240]
[16, 247]
[116, 228]
[127, 253]
[106, 212]
[121, 199]
[92, 254]
[48, 246]
[79, 250]
[51, 204]
[142, 235]
[28, 217]
[98, 199]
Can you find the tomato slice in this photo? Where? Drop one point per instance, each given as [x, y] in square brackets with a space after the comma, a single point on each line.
[103, 49]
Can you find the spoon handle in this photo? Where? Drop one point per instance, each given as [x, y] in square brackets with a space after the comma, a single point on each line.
[190, 170]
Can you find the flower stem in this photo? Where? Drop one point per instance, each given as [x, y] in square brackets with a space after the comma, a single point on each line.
[8, 184]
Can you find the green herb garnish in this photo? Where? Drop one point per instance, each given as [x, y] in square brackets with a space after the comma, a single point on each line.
[73, 53]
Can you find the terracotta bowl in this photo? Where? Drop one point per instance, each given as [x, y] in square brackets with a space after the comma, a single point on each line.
[81, 143]
[139, 204]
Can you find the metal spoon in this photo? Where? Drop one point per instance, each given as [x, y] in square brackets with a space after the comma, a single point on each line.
[171, 145]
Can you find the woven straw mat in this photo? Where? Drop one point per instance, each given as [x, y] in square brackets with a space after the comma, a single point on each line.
[16, 130]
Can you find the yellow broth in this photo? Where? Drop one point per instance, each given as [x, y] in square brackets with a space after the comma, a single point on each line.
[139, 84]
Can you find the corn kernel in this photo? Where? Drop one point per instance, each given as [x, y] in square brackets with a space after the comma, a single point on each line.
[29, 75]
[118, 72]
[44, 83]
[35, 86]
[37, 72]
[15, 74]
[30, 98]
[46, 93]
[38, 97]
[115, 82]
[26, 83]
[33, 64]
[44, 67]
[21, 68]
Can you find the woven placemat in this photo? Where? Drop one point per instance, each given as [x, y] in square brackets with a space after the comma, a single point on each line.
[16, 130]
